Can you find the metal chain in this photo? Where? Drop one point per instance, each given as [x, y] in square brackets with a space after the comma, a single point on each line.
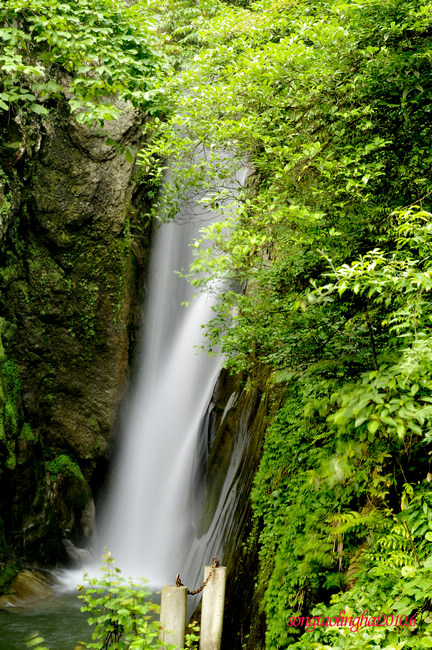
[215, 563]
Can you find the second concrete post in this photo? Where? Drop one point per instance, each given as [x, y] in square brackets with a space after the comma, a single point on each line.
[213, 609]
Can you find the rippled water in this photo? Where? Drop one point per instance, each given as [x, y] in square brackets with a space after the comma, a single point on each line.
[58, 620]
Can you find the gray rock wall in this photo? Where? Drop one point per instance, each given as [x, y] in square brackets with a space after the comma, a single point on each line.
[72, 257]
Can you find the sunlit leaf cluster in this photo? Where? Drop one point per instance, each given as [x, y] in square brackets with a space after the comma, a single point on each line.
[92, 51]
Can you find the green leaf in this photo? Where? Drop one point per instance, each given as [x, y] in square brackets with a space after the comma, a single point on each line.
[401, 431]
[373, 425]
[40, 110]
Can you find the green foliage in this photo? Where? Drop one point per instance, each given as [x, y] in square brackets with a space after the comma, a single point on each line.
[274, 84]
[180, 22]
[5, 197]
[99, 49]
[8, 573]
[27, 433]
[64, 465]
[327, 104]
[192, 636]
[10, 373]
[120, 611]
[327, 534]
[393, 581]
[10, 410]
[366, 435]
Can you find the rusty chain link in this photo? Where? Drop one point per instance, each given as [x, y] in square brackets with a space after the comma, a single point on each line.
[215, 563]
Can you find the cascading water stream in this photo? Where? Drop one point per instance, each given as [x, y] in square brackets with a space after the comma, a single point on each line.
[148, 520]
[149, 516]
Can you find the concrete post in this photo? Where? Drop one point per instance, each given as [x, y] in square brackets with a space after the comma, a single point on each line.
[173, 615]
[213, 602]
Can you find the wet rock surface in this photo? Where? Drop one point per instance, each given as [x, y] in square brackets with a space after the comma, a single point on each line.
[29, 586]
[235, 425]
[72, 259]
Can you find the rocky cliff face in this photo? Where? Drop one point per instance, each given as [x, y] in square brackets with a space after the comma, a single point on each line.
[231, 440]
[72, 254]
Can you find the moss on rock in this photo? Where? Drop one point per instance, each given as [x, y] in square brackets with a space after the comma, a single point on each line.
[63, 464]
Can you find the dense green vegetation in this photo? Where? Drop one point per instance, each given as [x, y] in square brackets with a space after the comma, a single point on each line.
[328, 104]
[99, 49]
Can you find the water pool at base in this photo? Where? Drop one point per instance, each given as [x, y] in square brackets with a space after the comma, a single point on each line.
[58, 620]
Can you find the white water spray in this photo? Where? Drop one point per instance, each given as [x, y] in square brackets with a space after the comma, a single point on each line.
[147, 523]
[149, 517]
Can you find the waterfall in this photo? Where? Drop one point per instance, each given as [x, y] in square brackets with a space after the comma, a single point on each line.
[153, 509]
[148, 518]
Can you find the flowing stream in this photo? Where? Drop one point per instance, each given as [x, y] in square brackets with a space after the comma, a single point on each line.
[150, 518]
[148, 521]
